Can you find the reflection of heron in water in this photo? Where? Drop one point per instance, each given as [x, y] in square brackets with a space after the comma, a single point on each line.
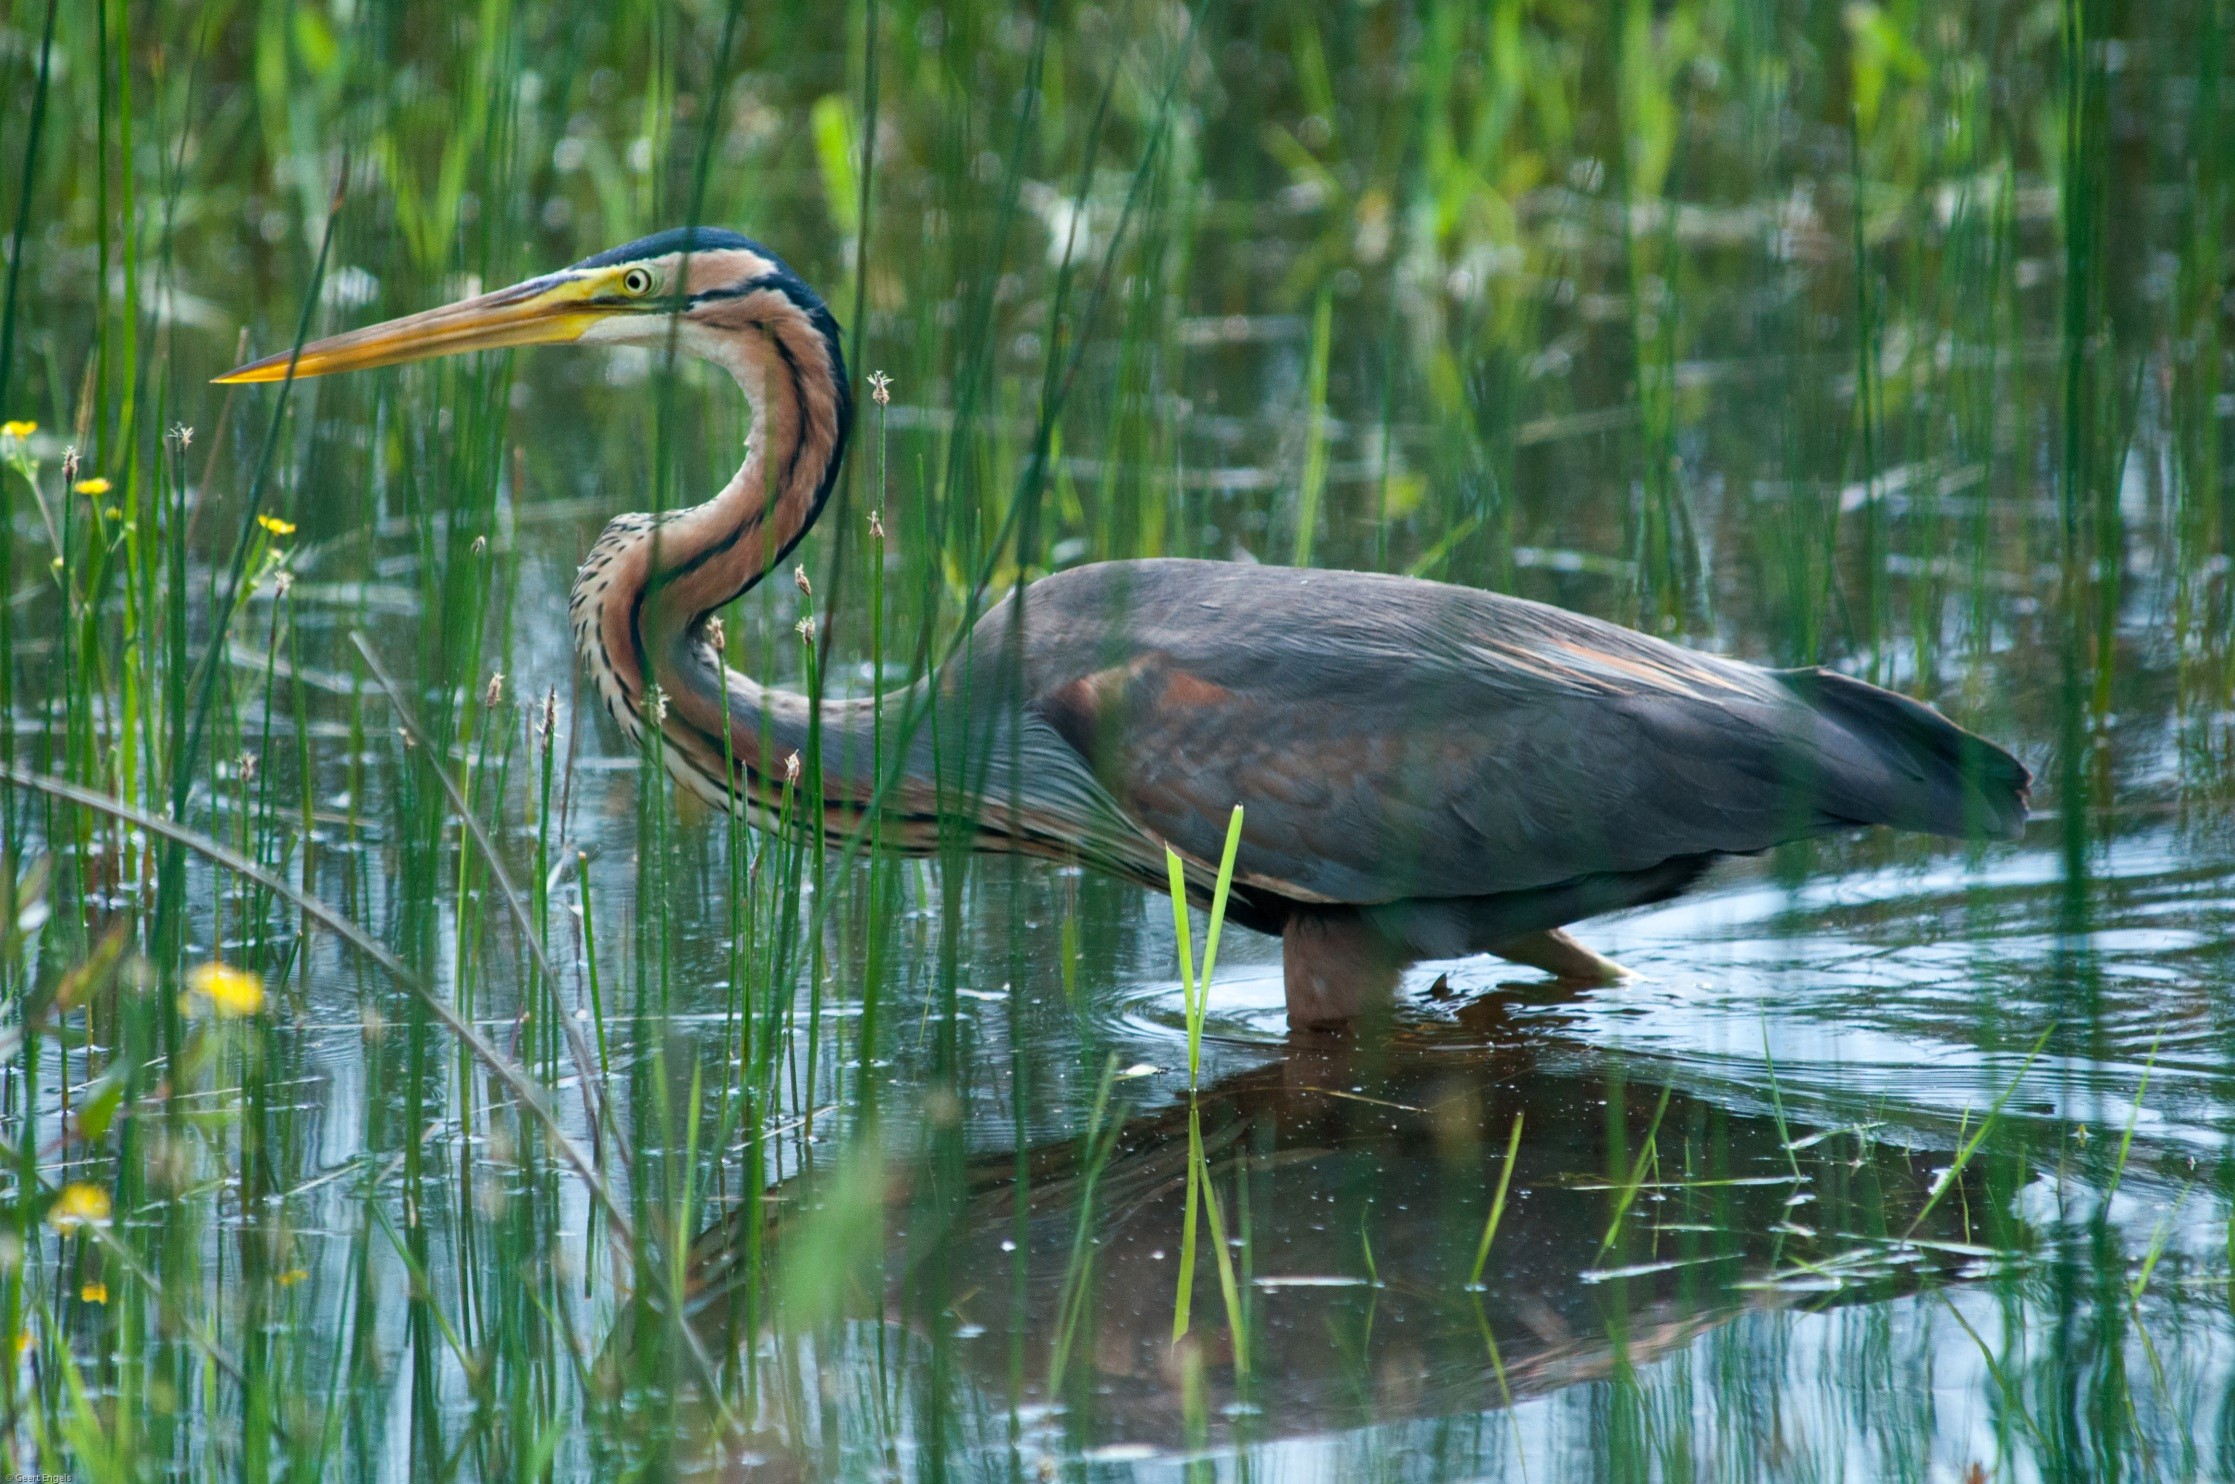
[1397, 1148]
[1427, 770]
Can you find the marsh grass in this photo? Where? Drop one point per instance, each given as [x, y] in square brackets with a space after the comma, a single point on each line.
[1195, 988]
[1202, 1194]
[1841, 333]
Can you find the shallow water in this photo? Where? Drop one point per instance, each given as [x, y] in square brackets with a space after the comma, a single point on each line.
[1897, 1159]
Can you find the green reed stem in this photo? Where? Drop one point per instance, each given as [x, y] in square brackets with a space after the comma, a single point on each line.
[1970, 1146]
[1184, 1302]
[590, 960]
[1236, 1322]
[1497, 1206]
[1627, 1194]
[1315, 429]
[1196, 991]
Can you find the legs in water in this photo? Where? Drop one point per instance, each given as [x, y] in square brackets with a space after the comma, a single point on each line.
[1560, 956]
[1337, 965]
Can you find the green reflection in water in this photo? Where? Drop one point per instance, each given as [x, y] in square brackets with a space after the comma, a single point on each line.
[1885, 336]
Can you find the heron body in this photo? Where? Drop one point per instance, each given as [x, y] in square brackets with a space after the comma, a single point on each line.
[1425, 770]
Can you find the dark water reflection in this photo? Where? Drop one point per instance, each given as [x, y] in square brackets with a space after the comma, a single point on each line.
[1357, 1179]
[1627, 308]
[1711, 1251]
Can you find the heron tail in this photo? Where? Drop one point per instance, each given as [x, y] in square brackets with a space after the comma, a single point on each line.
[1890, 760]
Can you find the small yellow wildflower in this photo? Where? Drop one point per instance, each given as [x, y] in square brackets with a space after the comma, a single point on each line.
[291, 1277]
[94, 1293]
[79, 1205]
[96, 486]
[275, 525]
[18, 429]
[232, 992]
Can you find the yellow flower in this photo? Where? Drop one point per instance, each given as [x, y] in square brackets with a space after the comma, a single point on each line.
[232, 992]
[94, 486]
[291, 1277]
[79, 1205]
[94, 1293]
[275, 525]
[18, 429]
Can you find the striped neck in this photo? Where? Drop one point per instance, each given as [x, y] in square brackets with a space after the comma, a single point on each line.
[646, 589]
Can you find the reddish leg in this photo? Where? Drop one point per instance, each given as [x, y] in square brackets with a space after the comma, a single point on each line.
[1560, 956]
[1336, 967]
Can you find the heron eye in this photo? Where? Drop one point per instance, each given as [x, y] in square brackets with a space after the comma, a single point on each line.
[636, 281]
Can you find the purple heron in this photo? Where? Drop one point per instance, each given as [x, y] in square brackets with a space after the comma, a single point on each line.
[1427, 770]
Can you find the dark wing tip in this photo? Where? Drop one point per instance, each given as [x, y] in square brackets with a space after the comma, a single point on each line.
[1946, 780]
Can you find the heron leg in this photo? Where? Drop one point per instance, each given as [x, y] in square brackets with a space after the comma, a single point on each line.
[1336, 968]
[1558, 955]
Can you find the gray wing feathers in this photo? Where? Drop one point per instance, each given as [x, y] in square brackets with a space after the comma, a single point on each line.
[1398, 739]
[1057, 797]
[1891, 760]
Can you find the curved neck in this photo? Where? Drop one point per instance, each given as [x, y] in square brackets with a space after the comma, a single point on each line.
[794, 379]
[644, 593]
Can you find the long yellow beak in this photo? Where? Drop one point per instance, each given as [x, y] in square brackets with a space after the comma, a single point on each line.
[552, 310]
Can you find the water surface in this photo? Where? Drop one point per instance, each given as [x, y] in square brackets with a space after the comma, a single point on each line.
[1889, 338]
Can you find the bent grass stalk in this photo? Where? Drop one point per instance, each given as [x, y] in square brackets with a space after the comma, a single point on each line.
[470, 821]
[78, 685]
[218, 854]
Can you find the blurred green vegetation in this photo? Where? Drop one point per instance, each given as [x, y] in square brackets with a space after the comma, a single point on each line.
[629, 1144]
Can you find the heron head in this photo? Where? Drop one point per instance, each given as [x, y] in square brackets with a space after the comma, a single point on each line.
[710, 293]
